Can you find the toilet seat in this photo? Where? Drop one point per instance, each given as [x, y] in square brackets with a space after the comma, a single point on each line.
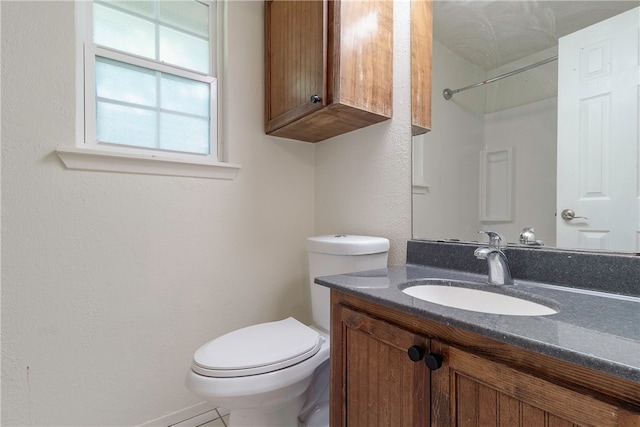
[257, 349]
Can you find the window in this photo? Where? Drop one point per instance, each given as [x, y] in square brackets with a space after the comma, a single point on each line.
[149, 84]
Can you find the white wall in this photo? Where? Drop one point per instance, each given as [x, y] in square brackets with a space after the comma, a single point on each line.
[363, 178]
[111, 281]
[531, 129]
[524, 88]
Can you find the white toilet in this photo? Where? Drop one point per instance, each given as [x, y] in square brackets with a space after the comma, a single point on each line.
[276, 373]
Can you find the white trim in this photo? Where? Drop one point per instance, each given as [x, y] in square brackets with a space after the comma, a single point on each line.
[418, 184]
[148, 63]
[221, 61]
[496, 185]
[421, 189]
[83, 15]
[181, 415]
[91, 52]
[107, 161]
[86, 156]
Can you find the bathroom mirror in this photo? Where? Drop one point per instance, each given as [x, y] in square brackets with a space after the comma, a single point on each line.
[492, 158]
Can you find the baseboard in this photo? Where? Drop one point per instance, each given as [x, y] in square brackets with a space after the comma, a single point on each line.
[182, 415]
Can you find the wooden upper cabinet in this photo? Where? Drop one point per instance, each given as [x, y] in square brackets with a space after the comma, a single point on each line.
[328, 67]
[421, 55]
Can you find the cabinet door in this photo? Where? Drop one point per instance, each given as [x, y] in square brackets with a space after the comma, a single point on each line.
[421, 54]
[373, 381]
[295, 60]
[471, 391]
[361, 60]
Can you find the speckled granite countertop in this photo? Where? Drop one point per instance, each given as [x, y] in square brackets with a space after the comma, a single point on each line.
[594, 329]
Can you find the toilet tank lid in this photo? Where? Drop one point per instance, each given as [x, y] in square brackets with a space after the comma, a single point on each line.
[347, 244]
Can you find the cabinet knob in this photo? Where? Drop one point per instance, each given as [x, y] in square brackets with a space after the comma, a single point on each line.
[416, 353]
[433, 361]
[315, 99]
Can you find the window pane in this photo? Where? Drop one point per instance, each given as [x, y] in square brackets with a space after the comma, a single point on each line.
[184, 50]
[119, 124]
[124, 32]
[145, 8]
[123, 82]
[184, 96]
[139, 105]
[184, 133]
[187, 15]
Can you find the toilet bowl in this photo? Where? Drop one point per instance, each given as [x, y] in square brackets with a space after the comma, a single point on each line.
[268, 390]
[276, 373]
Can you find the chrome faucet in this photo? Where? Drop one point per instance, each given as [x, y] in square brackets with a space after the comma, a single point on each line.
[499, 273]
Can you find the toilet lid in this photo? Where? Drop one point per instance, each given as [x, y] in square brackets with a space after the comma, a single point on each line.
[257, 349]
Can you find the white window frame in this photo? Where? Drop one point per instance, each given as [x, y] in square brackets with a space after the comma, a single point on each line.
[90, 155]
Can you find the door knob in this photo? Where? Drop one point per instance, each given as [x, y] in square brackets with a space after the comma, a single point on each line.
[315, 99]
[569, 214]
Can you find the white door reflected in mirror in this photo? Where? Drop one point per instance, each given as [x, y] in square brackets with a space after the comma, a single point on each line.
[598, 136]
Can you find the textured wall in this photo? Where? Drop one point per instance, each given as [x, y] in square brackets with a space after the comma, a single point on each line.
[111, 281]
[363, 178]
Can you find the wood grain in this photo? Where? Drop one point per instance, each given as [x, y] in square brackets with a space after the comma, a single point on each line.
[522, 399]
[364, 71]
[421, 60]
[340, 50]
[615, 390]
[373, 381]
[295, 43]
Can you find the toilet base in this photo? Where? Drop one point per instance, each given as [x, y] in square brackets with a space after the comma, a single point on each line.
[282, 416]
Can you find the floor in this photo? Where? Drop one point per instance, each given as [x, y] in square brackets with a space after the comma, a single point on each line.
[211, 418]
[218, 422]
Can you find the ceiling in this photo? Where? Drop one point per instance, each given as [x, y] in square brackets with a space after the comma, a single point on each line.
[493, 33]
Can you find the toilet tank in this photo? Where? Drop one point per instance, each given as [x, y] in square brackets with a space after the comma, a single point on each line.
[340, 254]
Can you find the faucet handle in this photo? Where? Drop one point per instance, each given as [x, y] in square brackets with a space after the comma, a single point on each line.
[495, 239]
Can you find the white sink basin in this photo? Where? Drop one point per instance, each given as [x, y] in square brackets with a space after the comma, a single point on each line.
[477, 300]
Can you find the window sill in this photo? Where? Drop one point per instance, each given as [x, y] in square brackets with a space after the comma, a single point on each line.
[98, 160]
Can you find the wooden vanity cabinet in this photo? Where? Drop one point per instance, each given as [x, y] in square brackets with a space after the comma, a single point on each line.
[375, 383]
[472, 391]
[328, 67]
